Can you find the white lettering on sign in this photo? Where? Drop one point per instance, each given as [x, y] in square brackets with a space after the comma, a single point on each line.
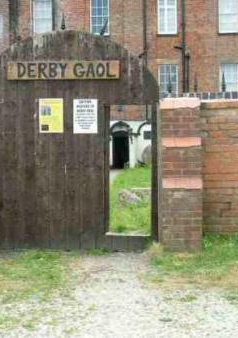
[85, 116]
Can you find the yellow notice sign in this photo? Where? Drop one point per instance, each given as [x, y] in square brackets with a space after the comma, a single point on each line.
[51, 116]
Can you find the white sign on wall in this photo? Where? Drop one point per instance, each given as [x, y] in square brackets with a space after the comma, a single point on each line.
[85, 116]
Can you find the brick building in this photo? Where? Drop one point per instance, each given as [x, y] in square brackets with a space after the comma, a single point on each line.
[186, 43]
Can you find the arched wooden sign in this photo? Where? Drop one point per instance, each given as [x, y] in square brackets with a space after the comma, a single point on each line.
[55, 93]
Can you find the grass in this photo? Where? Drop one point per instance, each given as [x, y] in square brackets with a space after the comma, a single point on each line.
[30, 274]
[97, 252]
[134, 219]
[215, 266]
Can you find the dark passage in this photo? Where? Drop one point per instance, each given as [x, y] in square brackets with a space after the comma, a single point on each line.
[120, 149]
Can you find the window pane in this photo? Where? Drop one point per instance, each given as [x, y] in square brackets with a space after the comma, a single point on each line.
[231, 76]
[228, 6]
[171, 20]
[228, 16]
[168, 74]
[99, 15]
[162, 20]
[167, 16]
[42, 16]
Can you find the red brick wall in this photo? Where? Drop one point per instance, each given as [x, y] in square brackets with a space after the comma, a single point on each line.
[220, 165]
[25, 26]
[125, 20]
[128, 113]
[180, 193]
[187, 159]
[207, 48]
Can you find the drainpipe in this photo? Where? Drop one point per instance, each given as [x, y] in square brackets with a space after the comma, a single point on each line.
[13, 20]
[145, 47]
[185, 52]
[183, 46]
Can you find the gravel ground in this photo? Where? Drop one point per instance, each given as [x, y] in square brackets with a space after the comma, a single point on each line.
[109, 298]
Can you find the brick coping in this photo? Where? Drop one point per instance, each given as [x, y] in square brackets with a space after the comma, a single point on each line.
[181, 142]
[193, 183]
[219, 104]
[179, 102]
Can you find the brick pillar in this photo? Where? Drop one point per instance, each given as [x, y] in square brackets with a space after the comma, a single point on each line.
[181, 178]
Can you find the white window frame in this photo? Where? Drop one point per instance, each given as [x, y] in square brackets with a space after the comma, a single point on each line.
[34, 18]
[167, 30]
[108, 17]
[174, 92]
[231, 86]
[229, 14]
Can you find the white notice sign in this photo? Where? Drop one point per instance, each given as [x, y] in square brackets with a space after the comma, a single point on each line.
[85, 116]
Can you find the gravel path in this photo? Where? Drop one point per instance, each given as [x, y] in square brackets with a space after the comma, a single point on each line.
[108, 298]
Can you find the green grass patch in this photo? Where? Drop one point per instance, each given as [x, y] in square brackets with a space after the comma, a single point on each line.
[215, 266]
[31, 273]
[97, 252]
[130, 218]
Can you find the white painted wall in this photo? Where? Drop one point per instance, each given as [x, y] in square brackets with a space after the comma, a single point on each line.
[138, 143]
[110, 152]
[132, 152]
[141, 142]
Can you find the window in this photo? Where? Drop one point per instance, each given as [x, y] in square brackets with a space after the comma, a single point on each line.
[167, 16]
[99, 16]
[42, 16]
[230, 71]
[1, 26]
[228, 16]
[168, 74]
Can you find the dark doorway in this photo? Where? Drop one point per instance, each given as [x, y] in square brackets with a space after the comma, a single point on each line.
[120, 149]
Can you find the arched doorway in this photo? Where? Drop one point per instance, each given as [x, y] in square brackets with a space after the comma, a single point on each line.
[120, 140]
[120, 145]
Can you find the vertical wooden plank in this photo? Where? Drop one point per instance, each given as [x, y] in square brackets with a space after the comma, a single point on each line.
[29, 168]
[100, 167]
[72, 173]
[106, 169]
[57, 191]
[3, 230]
[9, 174]
[42, 183]
[21, 184]
[154, 195]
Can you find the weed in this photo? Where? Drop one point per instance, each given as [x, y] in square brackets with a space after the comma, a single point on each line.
[98, 252]
[92, 308]
[8, 322]
[166, 320]
[70, 331]
[188, 298]
[232, 297]
[29, 325]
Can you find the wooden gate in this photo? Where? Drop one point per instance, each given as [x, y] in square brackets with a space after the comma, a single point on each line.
[54, 186]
